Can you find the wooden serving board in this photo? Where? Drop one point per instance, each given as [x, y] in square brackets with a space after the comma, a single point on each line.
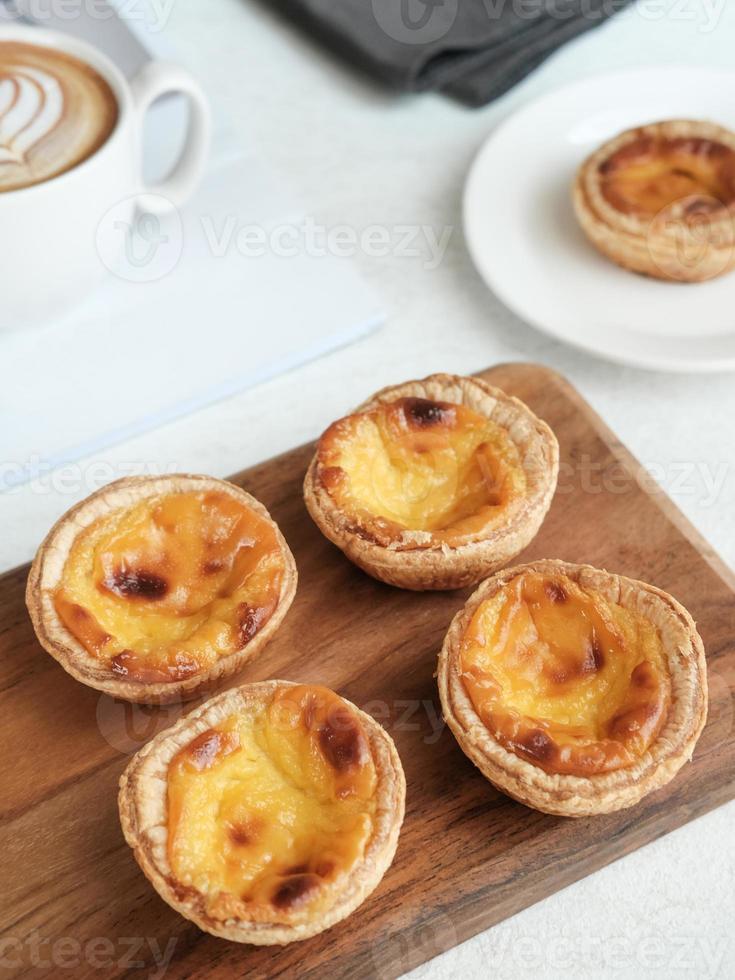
[468, 856]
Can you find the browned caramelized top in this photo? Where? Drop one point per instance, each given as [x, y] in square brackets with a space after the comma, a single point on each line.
[650, 173]
[161, 590]
[271, 808]
[419, 465]
[563, 677]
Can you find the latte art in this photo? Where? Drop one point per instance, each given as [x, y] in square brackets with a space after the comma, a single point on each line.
[55, 112]
[31, 104]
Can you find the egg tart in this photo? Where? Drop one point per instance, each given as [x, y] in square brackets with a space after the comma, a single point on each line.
[573, 690]
[433, 484]
[268, 814]
[660, 200]
[154, 588]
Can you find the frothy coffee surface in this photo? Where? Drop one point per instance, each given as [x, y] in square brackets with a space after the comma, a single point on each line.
[55, 111]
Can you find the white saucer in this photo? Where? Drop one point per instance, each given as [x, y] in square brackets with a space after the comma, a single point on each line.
[524, 238]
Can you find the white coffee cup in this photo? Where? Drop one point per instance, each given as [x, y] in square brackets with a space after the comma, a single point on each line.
[52, 234]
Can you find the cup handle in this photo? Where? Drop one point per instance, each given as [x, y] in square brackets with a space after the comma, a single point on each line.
[159, 78]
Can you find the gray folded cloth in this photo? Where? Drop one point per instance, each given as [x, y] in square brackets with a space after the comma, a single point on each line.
[475, 50]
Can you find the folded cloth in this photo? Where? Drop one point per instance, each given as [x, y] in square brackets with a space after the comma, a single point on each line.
[475, 50]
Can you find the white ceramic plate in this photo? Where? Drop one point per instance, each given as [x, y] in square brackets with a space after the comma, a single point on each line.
[524, 238]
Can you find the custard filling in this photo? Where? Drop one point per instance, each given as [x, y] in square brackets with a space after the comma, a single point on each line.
[651, 174]
[563, 677]
[423, 466]
[162, 590]
[269, 810]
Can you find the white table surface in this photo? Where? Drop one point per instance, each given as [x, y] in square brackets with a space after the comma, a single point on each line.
[359, 157]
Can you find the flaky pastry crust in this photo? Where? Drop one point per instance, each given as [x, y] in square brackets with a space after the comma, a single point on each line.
[417, 562]
[577, 796]
[143, 814]
[690, 235]
[47, 571]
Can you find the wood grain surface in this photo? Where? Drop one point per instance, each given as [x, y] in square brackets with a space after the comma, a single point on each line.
[73, 900]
